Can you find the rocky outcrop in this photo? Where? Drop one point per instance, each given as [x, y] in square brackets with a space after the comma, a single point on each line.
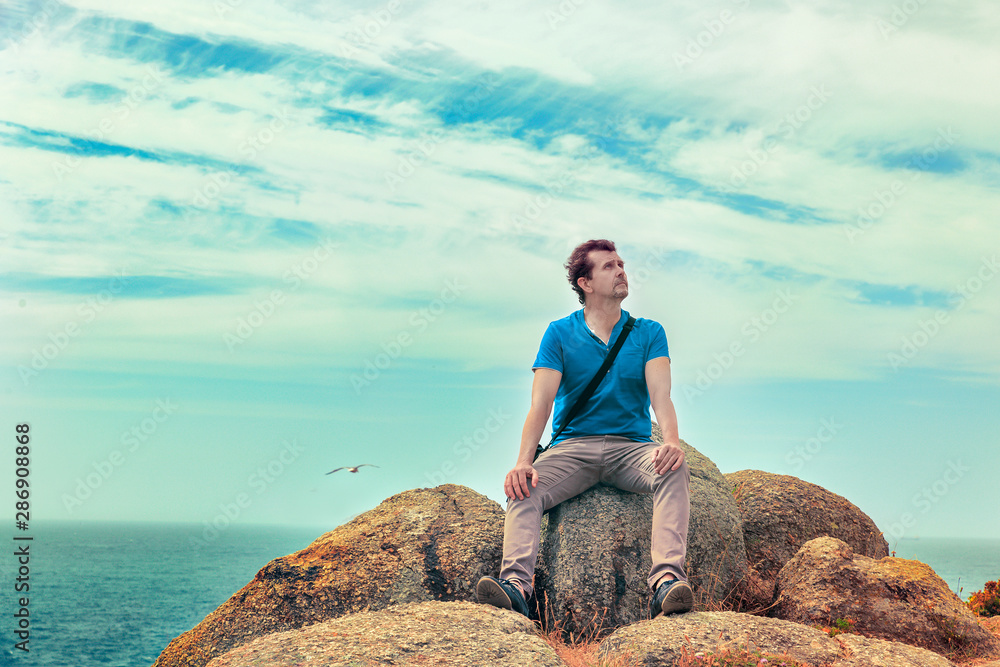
[869, 652]
[664, 640]
[781, 513]
[456, 634]
[889, 598]
[716, 554]
[594, 560]
[421, 552]
[425, 544]
[595, 552]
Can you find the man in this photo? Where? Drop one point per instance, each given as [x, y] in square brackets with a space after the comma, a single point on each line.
[609, 441]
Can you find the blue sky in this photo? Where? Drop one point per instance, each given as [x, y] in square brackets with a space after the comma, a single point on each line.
[243, 243]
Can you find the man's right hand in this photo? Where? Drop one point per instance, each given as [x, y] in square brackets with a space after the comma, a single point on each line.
[516, 483]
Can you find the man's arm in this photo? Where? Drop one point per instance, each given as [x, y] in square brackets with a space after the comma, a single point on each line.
[669, 455]
[543, 394]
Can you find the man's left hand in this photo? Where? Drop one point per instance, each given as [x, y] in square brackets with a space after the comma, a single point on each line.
[667, 456]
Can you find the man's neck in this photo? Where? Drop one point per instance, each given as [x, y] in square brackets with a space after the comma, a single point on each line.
[602, 317]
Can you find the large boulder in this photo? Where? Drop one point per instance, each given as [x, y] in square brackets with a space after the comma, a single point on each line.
[664, 640]
[424, 544]
[593, 562]
[716, 554]
[595, 552]
[781, 513]
[456, 634]
[888, 598]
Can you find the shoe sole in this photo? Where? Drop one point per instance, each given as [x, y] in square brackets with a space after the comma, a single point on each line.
[678, 599]
[490, 592]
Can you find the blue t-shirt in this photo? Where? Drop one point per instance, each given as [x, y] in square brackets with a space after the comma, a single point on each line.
[620, 404]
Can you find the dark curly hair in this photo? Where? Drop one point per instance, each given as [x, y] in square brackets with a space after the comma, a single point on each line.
[579, 265]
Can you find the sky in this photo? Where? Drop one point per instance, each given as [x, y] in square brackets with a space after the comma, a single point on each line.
[244, 242]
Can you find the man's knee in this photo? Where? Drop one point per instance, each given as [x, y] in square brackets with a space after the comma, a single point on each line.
[683, 472]
[532, 503]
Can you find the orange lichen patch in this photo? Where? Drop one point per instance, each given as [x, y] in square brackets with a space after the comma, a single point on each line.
[904, 568]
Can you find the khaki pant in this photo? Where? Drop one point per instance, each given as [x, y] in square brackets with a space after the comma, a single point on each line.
[576, 464]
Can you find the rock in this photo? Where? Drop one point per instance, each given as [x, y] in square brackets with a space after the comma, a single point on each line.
[424, 544]
[781, 513]
[459, 634]
[595, 552]
[716, 553]
[869, 652]
[888, 598]
[664, 640]
[594, 560]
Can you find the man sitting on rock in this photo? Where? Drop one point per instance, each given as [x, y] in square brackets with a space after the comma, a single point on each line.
[608, 441]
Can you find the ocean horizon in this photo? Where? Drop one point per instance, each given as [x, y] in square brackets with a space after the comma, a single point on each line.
[115, 594]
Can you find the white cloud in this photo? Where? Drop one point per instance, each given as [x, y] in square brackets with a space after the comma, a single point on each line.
[451, 214]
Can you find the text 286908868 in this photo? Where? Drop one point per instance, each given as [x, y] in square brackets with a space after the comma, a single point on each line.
[22, 543]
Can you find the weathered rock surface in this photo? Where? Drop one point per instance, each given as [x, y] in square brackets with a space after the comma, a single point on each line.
[870, 652]
[663, 640]
[421, 552]
[889, 598]
[459, 634]
[716, 553]
[781, 513]
[594, 561]
[595, 553]
[424, 544]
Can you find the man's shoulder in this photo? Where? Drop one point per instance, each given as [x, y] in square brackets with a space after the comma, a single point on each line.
[646, 323]
[642, 322]
[569, 321]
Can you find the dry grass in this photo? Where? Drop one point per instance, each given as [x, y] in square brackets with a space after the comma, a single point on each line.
[740, 656]
[992, 625]
[579, 651]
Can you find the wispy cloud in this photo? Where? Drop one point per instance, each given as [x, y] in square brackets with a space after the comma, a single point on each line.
[194, 139]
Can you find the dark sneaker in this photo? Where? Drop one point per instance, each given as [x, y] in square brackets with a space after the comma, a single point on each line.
[501, 593]
[672, 597]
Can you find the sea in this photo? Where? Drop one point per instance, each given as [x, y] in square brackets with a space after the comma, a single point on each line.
[114, 595]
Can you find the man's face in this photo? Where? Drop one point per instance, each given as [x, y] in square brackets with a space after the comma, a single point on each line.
[608, 277]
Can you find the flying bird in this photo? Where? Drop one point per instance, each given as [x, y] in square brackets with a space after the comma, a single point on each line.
[351, 468]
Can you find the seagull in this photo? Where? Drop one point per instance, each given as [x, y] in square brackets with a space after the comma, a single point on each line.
[351, 468]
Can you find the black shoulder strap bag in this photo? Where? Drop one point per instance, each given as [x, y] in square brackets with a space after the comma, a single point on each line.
[589, 390]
